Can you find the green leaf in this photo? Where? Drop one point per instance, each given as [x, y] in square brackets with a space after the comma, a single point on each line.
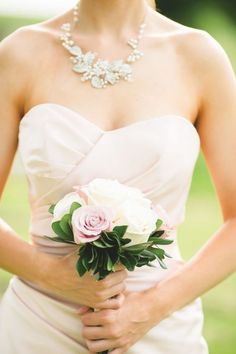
[168, 255]
[161, 241]
[133, 259]
[80, 268]
[137, 248]
[115, 238]
[159, 222]
[102, 273]
[111, 239]
[94, 264]
[114, 255]
[125, 241]
[158, 252]
[92, 255]
[106, 243]
[162, 264]
[125, 261]
[156, 233]
[120, 230]
[58, 230]
[142, 262]
[74, 206]
[102, 260]
[51, 209]
[84, 261]
[110, 265]
[99, 244]
[83, 249]
[65, 226]
[149, 255]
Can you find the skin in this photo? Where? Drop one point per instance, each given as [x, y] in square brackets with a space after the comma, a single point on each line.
[179, 63]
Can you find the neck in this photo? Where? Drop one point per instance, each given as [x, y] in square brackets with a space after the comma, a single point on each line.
[111, 16]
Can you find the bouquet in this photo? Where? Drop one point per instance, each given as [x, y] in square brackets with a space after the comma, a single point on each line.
[111, 223]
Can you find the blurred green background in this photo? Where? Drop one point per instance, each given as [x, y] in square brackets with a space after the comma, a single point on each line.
[203, 215]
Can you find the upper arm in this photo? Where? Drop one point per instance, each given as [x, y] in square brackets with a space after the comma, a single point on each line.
[216, 122]
[12, 93]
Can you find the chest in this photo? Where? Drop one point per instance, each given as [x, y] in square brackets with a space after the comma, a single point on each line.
[160, 84]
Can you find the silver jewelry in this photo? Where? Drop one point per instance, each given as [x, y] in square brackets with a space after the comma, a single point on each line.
[100, 73]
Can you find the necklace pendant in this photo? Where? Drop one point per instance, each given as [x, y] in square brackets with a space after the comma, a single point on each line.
[100, 73]
[81, 68]
[97, 82]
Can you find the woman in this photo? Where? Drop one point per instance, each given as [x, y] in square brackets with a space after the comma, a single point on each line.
[147, 133]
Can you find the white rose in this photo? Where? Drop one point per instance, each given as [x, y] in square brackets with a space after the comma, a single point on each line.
[63, 206]
[102, 191]
[141, 221]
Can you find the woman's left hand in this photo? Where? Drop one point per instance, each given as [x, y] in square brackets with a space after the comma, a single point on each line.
[117, 330]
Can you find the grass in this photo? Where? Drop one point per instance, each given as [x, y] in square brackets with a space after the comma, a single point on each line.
[219, 25]
[9, 24]
[203, 217]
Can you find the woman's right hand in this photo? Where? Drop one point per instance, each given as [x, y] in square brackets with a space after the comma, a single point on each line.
[61, 278]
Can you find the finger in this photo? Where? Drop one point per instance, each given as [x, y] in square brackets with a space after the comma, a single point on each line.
[113, 303]
[96, 332]
[100, 345]
[114, 278]
[114, 291]
[98, 318]
[83, 309]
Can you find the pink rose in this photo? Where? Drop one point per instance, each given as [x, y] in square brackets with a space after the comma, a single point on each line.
[89, 221]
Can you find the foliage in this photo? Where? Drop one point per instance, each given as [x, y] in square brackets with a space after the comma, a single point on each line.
[184, 9]
[111, 248]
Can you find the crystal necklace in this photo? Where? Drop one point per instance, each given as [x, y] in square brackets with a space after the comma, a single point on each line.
[100, 72]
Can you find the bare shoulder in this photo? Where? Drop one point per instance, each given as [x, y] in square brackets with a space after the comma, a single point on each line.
[196, 46]
[23, 43]
[23, 52]
[28, 43]
[208, 63]
[203, 58]
[204, 52]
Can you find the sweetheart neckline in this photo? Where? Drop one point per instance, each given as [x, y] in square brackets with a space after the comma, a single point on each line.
[128, 126]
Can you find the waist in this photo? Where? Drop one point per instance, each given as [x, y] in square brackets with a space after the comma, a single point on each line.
[140, 279]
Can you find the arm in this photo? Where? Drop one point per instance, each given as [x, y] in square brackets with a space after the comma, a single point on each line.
[216, 259]
[13, 86]
[17, 256]
[217, 126]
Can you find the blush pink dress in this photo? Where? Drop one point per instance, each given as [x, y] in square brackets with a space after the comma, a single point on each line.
[59, 149]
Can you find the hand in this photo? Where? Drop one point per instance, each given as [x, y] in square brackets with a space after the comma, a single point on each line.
[117, 330]
[61, 278]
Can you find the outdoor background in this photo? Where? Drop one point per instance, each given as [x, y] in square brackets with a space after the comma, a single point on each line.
[203, 215]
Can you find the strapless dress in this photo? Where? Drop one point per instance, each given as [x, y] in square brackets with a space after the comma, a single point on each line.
[60, 148]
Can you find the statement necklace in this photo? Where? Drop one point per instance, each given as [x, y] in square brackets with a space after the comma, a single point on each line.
[99, 72]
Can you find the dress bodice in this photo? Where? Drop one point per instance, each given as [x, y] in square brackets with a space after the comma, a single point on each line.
[60, 148]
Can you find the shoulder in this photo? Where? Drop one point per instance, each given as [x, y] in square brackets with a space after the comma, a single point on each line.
[196, 46]
[204, 59]
[209, 65]
[24, 43]
[21, 55]
[204, 52]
